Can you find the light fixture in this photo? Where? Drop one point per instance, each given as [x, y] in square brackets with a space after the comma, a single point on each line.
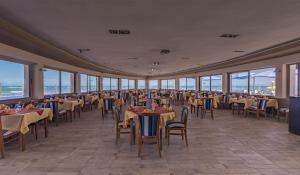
[156, 63]
[164, 51]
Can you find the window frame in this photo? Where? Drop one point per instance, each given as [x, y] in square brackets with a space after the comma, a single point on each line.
[59, 78]
[144, 81]
[210, 82]
[186, 83]
[249, 76]
[110, 78]
[157, 87]
[167, 80]
[27, 91]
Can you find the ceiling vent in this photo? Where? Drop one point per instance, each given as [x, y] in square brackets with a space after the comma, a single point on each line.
[229, 35]
[164, 51]
[185, 58]
[132, 58]
[119, 31]
[238, 51]
[83, 50]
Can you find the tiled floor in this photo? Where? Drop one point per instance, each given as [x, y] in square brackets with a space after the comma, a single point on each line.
[227, 145]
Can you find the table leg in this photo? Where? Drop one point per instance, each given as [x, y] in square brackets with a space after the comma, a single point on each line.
[22, 141]
[160, 139]
[46, 127]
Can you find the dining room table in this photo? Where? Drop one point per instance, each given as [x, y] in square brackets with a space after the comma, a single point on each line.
[18, 120]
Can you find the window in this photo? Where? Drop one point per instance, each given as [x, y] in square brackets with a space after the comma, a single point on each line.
[262, 81]
[131, 84]
[211, 83]
[106, 83]
[182, 84]
[51, 82]
[205, 83]
[58, 82]
[110, 84]
[171, 84]
[13, 80]
[83, 83]
[93, 83]
[153, 84]
[294, 80]
[141, 84]
[67, 82]
[190, 84]
[187, 84]
[124, 84]
[164, 84]
[239, 82]
[167, 84]
[113, 84]
[217, 83]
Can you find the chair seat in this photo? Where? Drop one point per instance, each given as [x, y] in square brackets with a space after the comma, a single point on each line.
[7, 134]
[62, 112]
[121, 123]
[252, 108]
[175, 124]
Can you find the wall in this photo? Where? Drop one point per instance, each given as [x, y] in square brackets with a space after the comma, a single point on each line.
[279, 63]
[38, 64]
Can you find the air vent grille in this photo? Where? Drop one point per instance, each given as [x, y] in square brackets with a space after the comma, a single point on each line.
[229, 35]
[238, 51]
[119, 31]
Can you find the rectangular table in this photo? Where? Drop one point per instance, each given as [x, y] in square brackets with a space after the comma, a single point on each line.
[20, 122]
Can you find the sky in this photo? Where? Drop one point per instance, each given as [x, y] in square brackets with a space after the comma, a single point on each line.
[11, 73]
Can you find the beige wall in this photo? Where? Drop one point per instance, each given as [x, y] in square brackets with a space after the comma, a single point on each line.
[279, 63]
[39, 62]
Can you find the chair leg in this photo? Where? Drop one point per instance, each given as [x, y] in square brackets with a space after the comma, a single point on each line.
[117, 136]
[1, 143]
[168, 136]
[182, 135]
[36, 130]
[46, 127]
[186, 140]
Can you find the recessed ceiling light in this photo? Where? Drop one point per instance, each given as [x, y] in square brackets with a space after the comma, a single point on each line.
[229, 35]
[156, 63]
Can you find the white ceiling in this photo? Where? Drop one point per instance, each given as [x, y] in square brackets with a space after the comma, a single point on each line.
[189, 28]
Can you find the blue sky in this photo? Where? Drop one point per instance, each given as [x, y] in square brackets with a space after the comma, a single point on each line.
[11, 73]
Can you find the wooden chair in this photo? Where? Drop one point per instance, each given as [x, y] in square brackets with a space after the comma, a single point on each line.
[5, 137]
[224, 102]
[58, 113]
[149, 131]
[258, 108]
[207, 107]
[178, 126]
[120, 129]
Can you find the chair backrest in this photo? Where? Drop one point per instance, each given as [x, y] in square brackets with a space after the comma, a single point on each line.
[225, 99]
[117, 113]
[149, 125]
[54, 106]
[207, 103]
[262, 104]
[184, 114]
[108, 102]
